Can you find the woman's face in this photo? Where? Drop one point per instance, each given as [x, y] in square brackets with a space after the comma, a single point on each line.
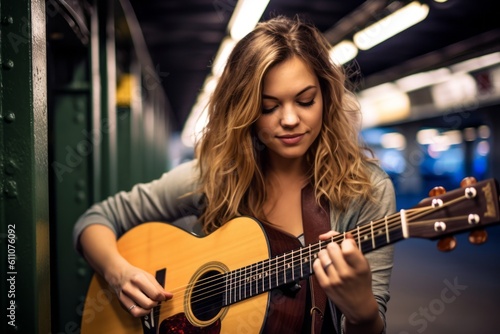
[292, 108]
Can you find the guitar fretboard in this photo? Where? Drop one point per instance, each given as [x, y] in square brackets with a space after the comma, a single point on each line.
[296, 265]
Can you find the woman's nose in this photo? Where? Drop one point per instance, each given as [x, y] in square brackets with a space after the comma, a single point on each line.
[289, 117]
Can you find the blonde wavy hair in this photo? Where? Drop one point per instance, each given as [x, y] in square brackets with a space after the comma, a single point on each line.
[230, 155]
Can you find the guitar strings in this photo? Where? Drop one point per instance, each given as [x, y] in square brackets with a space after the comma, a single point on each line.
[281, 260]
[288, 261]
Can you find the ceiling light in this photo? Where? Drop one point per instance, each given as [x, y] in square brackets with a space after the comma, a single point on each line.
[423, 79]
[343, 52]
[223, 53]
[459, 90]
[477, 63]
[426, 136]
[391, 25]
[394, 140]
[484, 131]
[245, 17]
[383, 104]
[196, 121]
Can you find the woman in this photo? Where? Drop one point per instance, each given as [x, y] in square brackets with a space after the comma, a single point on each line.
[280, 121]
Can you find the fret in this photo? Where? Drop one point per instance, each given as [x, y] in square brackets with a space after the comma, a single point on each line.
[373, 235]
[285, 267]
[249, 281]
[263, 276]
[270, 268]
[235, 286]
[306, 262]
[404, 224]
[254, 289]
[237, 282]
[387, 231]
[359, 237]
[301, 263]
[245, 279]
[273, 274]
[276, 269]
[282, 269]
[227, 285]
[309, 261]
[253, 280]
[289, 269]
[258, 277]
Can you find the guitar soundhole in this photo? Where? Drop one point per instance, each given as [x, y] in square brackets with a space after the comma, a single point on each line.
[207, 297]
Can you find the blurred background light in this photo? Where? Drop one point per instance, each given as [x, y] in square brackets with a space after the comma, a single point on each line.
[391, 25]
[343, 52]
[245, 17]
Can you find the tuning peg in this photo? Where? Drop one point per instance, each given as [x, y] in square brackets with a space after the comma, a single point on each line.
[468, 181]
[447, 244]
[478, 237]
[436, 191]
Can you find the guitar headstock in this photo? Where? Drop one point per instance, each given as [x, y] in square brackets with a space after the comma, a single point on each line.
[472, 207]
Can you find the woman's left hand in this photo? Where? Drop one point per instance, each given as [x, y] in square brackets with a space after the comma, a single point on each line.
[344, 273]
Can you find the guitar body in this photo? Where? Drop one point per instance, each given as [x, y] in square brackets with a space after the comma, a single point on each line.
[184, 260]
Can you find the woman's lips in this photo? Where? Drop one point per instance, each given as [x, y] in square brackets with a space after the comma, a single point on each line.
[292, 139]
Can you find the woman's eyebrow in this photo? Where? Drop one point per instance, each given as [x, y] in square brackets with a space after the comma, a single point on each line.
[264, 96]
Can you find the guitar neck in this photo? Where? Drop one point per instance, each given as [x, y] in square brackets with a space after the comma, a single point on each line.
[296, 265]
[471, 207]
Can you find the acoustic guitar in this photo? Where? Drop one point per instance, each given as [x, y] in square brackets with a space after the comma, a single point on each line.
[222, 282]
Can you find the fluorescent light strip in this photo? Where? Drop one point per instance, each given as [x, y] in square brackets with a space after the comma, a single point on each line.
[343, 52]
[223, 53]
[477, 63]
[391, 25]
[423, 79]
[245, 17]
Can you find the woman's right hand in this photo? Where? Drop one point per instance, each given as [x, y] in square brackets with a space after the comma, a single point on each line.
[132, 285]
[138, 291]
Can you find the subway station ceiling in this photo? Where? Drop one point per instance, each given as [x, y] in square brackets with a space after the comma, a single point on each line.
[183, 37]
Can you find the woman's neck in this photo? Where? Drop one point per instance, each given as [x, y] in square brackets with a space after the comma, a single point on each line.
[285, 174]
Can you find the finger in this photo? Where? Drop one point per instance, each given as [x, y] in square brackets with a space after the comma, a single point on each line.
[132, 307]
[319, 272]
[328, 235]
[335, 253]
[326, 266]
[150, 287]
[352, 255]
[136, 296]
[164, 294]
[142, 292]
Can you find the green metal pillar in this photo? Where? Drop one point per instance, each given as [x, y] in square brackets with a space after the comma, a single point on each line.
[24, 222]
[107, 70]
[72, 147]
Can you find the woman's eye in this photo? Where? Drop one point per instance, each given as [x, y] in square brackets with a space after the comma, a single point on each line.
[268, 110]
[306, 104]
